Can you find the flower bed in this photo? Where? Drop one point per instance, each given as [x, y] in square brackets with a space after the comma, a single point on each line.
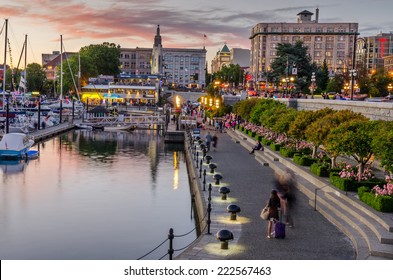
[383, 203]
[348, 184]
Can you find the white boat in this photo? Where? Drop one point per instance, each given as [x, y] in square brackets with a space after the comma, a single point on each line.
[119, 127]
[15, 145]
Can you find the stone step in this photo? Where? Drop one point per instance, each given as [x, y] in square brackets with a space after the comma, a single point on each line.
[359, 242]
[360, 225]
[384, 236]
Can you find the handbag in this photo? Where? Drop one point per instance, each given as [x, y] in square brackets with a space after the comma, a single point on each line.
[265, 213]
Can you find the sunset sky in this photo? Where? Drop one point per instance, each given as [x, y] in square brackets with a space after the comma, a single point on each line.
[183, 23]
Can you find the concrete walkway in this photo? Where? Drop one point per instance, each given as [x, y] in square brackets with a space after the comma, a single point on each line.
[250, 179]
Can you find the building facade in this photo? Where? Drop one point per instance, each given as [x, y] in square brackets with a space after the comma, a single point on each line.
[222, 57]
[241, 57]
[176, 66]
[333, 42]
[371, 51]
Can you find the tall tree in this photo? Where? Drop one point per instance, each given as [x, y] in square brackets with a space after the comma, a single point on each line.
[289, 56]
[36, 77]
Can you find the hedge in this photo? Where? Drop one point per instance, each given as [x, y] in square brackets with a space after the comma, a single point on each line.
[287, 152]
[320, 169]
[258, 137]
[303, 160]
[266, 142]
[251, 133]
[275, 147]
[352, 185]
[382, 203]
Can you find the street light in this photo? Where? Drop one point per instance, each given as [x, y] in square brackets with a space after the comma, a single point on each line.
[352, 73]
[312, 87]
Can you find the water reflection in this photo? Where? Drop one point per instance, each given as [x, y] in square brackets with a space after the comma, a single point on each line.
[96, 195]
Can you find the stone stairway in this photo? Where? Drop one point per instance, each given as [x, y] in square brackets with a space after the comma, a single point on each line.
[370, 231]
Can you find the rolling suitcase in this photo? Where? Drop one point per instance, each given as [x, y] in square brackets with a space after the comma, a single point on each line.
[279, 229]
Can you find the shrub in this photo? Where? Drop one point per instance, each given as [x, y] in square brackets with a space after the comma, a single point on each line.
[303, 160]
[275, 147]
[342, 183]
[382, 203]
[266, 142]
[258, 137]
[251, 133]
[287, 152]
[320, 169]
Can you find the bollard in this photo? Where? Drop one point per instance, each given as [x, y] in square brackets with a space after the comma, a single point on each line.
[209, 209]
[204, 179]
[315, 199]
[197, 162]
[200, 169]
[197, 156]
[170, 237]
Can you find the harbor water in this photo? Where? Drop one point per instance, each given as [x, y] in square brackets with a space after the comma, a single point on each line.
[96, 195]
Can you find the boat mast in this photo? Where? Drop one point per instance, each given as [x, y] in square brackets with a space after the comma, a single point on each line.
[25, 76]
[61, 67]
[5, 60]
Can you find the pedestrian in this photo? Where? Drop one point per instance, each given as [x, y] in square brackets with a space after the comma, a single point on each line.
[286, 191]
[214, 141]
[208, 139]
[274, 207]
[257, 147]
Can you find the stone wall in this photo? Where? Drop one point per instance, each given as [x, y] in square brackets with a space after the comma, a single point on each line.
[372, 110]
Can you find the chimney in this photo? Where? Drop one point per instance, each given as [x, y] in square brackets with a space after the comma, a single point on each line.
[316, 15]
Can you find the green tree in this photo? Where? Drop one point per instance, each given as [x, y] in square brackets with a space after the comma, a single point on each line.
[36, 77]
[95, 60]
[289, 56]
[382, 143]
[304, 119]
[319, 130]
[322, 76]
[336, 84]
[244, 108]
[352, 138]
[232, 74]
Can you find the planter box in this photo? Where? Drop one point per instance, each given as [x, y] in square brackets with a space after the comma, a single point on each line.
[352, 185]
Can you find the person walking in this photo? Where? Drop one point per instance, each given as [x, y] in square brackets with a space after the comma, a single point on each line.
[285, 186]
[274, 207]
[208, 139]
[214, 141]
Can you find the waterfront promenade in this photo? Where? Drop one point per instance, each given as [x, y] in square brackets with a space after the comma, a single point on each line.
[330, 232]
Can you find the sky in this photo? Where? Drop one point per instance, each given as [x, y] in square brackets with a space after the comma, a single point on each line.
[183, 23]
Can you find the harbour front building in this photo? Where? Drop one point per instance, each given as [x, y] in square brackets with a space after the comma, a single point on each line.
[178, 67]
[333, 42]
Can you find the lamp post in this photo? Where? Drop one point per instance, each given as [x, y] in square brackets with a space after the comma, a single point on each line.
[352, 73]
[312, 87]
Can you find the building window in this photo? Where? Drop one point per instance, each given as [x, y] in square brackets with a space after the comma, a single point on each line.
[329, 38]
[318, 29]
[307, 29]
[285, 38]
[329, 46]
[273, 53]
[341, 38]
[295, 38]
[318, 38]
[307, 38]
[317, 54]
[275, 38]
[341, 29]
[328, 54]
[318, 46]
[285, 29]
[274, 29]
[330, 29]
[340, 54]
[341, 46]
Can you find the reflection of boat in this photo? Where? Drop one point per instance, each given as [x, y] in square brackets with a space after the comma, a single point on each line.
[119, 127]
[12, 166]
[15, 145]
[83, 126]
